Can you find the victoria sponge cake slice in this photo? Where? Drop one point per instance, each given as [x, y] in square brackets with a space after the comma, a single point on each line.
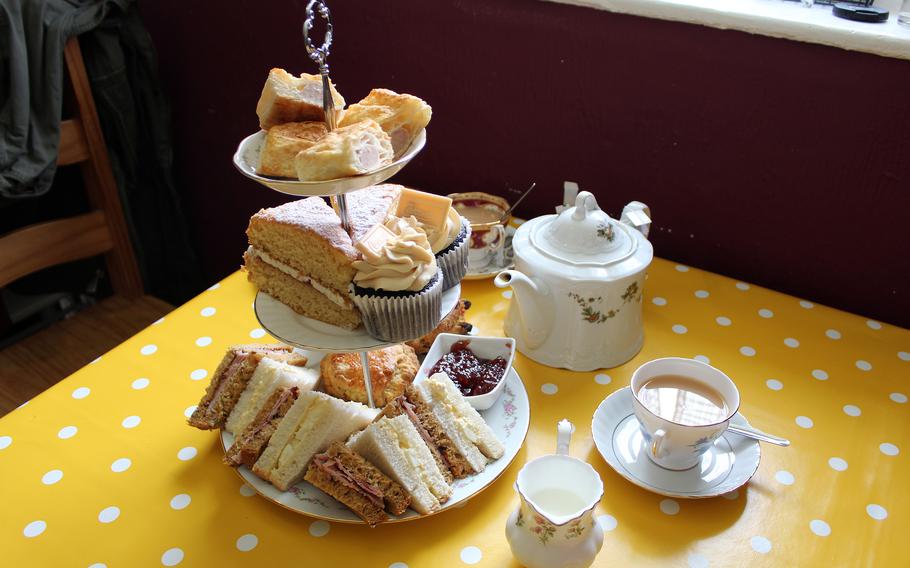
[300, 254]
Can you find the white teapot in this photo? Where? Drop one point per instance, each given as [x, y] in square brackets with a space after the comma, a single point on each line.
[578, 283]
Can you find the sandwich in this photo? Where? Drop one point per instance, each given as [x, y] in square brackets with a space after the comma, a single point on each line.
[230, 379]
[283, 142]
[396, 448]
[348, 151]
[286, 98]
[357, 483]
[401, 116]
[252, 440]
[270, 375]
[309, 427]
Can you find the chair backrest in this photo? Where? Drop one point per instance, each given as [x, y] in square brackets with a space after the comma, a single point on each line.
[101, 231]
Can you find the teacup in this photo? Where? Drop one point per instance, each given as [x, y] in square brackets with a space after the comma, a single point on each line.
[488, 227]
[671, 444]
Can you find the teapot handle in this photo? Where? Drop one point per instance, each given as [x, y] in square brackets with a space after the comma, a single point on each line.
[563, 437]
[638, 216]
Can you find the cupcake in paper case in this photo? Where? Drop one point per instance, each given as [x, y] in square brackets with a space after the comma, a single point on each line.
[398, 285]
[451, 246]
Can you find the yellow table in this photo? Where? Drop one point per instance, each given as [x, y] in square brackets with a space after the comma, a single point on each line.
[102, 468]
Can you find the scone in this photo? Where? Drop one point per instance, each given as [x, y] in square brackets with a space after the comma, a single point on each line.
[454, 322]
[286, 98]
[348, 151]
[391, 370]
[402, 116]
[282, 144]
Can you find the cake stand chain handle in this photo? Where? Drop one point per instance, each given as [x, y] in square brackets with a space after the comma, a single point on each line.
[367, 379]
[340, 202]
[320, 55]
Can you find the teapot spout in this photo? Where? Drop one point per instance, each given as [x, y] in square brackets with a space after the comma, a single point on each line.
[535, 305]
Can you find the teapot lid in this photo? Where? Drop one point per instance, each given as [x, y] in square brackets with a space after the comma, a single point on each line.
[583, 235]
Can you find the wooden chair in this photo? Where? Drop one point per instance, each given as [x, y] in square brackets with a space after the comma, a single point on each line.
[101, 231]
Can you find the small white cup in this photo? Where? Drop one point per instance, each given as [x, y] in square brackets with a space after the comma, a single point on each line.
[678, 446]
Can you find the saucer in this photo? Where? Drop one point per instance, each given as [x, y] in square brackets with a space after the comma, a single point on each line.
[727, 465]
[502, 260]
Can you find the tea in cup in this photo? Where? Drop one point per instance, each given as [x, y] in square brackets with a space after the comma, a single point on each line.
[488, 227]
[683, 405]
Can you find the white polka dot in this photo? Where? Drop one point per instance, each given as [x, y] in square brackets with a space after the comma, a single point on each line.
[52, 477]
[819, 374]
[319, 528]
[204, 341]
[181, 501]
[889, 449]
[697, 561]
[702, 294]
[760, 544]
[5, 441]
[549, 388]
[863, 365]
[702, 358]
[606, 523]
[172, 557]
[731, 495]
[247, 491]
[207, 312]
[832, 334]
[187, 453]
[121, 465]
[804, 422]
[148, 349]
[723, 320]
[34, 528]
[158, 321]
[873, 324]
[898, 397]
[98, 565]
[189, 411]
[140, 383]
[669, 507]
[81, 393]
[774, 384]
[131, 421]
[852, 410]
[98, 358]
[791, 342]
[471, 555]
[837, 464]
[507, 294]
[805, 304]
[903, 356]
[877, 512]
[742, 286]
[747, 351]
[602, 379]
[820, 528]
[398, 565]
[765, 313]
[682, 268]
[199, 374]
[257, 333]
[67, 432]
[217, 285]
[658, 301]
[108, 514]
[247, 542]
[679, 329]
[784, 477]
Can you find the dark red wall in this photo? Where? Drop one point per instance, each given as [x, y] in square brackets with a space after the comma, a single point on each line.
[780, 163]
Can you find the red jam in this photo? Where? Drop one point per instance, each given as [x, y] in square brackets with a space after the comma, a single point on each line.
[472, 375]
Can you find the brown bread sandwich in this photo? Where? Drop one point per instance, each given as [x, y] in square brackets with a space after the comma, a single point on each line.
[250, 444]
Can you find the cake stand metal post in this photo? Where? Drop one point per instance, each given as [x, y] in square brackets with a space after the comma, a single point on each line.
[320, 56]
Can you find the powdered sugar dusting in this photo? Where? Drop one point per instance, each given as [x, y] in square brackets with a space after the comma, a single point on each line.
[311, 214]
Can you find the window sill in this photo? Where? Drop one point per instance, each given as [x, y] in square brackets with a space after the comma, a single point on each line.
[776, 18]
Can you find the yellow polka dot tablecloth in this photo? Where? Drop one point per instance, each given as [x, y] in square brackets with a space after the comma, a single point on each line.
[102, 470]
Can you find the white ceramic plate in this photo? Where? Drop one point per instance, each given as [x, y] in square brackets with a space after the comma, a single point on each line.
[287, 326]
[728, 465]
[503, 261]
[509, 418]
[246, 159]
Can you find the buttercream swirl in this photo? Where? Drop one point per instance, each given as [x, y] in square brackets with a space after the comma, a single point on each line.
[405, 262]
[440, 239]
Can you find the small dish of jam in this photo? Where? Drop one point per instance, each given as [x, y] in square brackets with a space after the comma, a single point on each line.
[477, 365]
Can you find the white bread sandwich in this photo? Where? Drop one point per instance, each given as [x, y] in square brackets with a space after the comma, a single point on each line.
[270, 375]
[286, 98]
[470, 435]
[309, 427]
[352, 150]
[402, 116]
[282, 144]
[396, 448]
